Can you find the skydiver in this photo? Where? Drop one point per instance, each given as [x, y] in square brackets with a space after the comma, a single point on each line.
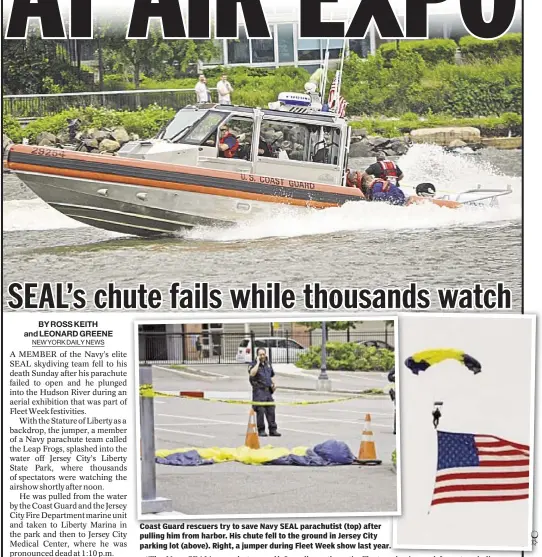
[436, 417]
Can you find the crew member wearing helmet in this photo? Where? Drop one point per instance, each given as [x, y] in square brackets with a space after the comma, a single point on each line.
[385, 185]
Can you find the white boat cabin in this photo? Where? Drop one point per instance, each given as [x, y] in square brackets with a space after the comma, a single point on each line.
[293, 142]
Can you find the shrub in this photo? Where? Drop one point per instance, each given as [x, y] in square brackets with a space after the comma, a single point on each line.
[348, 356]
[433, 51]
[12, 128]
[473, 49]
[394, 457]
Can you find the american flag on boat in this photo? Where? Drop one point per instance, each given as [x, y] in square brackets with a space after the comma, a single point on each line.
[474, 468]
[337, 105]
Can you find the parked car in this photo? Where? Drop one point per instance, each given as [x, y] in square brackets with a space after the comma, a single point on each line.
[377, 344]
[281, 350]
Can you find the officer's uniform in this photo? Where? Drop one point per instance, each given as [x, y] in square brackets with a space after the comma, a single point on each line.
[262, 385]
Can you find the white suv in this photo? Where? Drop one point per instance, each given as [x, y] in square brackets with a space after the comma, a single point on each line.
[281, 350]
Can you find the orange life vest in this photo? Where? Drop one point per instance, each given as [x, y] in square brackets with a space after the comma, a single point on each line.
[229, 153]
[388, 168]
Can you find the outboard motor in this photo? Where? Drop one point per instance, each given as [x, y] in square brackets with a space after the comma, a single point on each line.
[73, 127]
[426, 190]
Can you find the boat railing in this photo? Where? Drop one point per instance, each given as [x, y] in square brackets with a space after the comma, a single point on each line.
[26, 107]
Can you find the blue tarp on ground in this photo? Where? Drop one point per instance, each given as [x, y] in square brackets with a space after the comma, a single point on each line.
[189, 458]
[329, 453]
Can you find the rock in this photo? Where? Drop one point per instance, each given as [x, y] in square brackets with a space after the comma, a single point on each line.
[457, 143]
[444, 136]
[6, 142]
[63, 138]
[361, 149]
[134, 137]
[46, 139]
[379, 143]
[398, 147]
[109, 146]
[503, 142]
[359, 132]
[120, 135]
[94, 133]
[91, 144]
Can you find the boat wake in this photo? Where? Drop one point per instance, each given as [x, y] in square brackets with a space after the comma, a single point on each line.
[423, 163]
[450, 173]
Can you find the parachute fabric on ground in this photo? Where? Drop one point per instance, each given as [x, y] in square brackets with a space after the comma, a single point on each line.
[421, 361]
[329, 453]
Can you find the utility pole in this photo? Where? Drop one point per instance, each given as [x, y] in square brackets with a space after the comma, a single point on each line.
[324, 383]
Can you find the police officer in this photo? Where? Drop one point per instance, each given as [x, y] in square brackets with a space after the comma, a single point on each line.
[391, 379]
[263, 386]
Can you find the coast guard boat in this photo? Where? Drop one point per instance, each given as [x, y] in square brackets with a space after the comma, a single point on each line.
[290, 154]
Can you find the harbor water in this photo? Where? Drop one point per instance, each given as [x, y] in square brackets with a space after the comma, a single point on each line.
[361, 245]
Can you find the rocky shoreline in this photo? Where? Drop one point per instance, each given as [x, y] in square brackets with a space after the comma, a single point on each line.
[109, 141]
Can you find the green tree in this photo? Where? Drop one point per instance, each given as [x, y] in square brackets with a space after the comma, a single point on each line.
[153, 57]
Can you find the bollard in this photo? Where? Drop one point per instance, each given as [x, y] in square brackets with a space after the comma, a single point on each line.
[150, 503]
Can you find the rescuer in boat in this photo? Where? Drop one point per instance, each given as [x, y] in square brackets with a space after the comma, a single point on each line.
[385, 185]
[228, 144]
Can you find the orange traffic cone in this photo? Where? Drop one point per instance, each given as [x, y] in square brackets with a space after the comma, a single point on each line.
[252, 440]
[367, 449]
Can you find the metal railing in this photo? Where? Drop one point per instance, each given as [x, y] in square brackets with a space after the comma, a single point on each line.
[237, 348]
[35, 106]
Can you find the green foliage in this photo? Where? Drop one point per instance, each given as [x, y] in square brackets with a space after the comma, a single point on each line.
[348, 356]
[145, 122]
[409, 85]
[433, 51]
[492, 126]
[12, 128]
[394, 457]
[473, 49]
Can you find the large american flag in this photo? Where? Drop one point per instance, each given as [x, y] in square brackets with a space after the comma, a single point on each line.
[474, 468]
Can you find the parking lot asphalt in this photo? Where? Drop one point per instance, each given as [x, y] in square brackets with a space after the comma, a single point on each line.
[238, 489]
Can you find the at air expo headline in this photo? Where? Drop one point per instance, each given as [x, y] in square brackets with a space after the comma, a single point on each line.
[198, 23]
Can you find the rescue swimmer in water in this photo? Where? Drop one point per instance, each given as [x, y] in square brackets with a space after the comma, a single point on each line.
[380, 181]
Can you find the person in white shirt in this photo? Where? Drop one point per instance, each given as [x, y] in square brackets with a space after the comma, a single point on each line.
[201, 90]
[224, 89]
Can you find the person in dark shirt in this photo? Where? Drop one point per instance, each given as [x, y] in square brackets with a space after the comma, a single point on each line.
[377, 169]
[261, 376]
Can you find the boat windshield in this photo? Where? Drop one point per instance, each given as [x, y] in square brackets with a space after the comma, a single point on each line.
[183, 120]
[204, 128]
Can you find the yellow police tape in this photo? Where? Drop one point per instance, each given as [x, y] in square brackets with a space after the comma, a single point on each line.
[147, 391]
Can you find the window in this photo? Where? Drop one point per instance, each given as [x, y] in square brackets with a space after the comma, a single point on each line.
[309, 49]
[218, 60]
[181, 123]
[361, 47]
[335, 47]
[239, 49]
[204, 128]
[242, 128]
[285, 39]
[303, 142]
[293, 344]
[311, 68]
[244, 344]
[263, 50]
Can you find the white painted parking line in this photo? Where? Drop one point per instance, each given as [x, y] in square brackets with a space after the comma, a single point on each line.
[185, 432]
[218, 422]
[361, 412]
[358, 422]
[186, 424]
